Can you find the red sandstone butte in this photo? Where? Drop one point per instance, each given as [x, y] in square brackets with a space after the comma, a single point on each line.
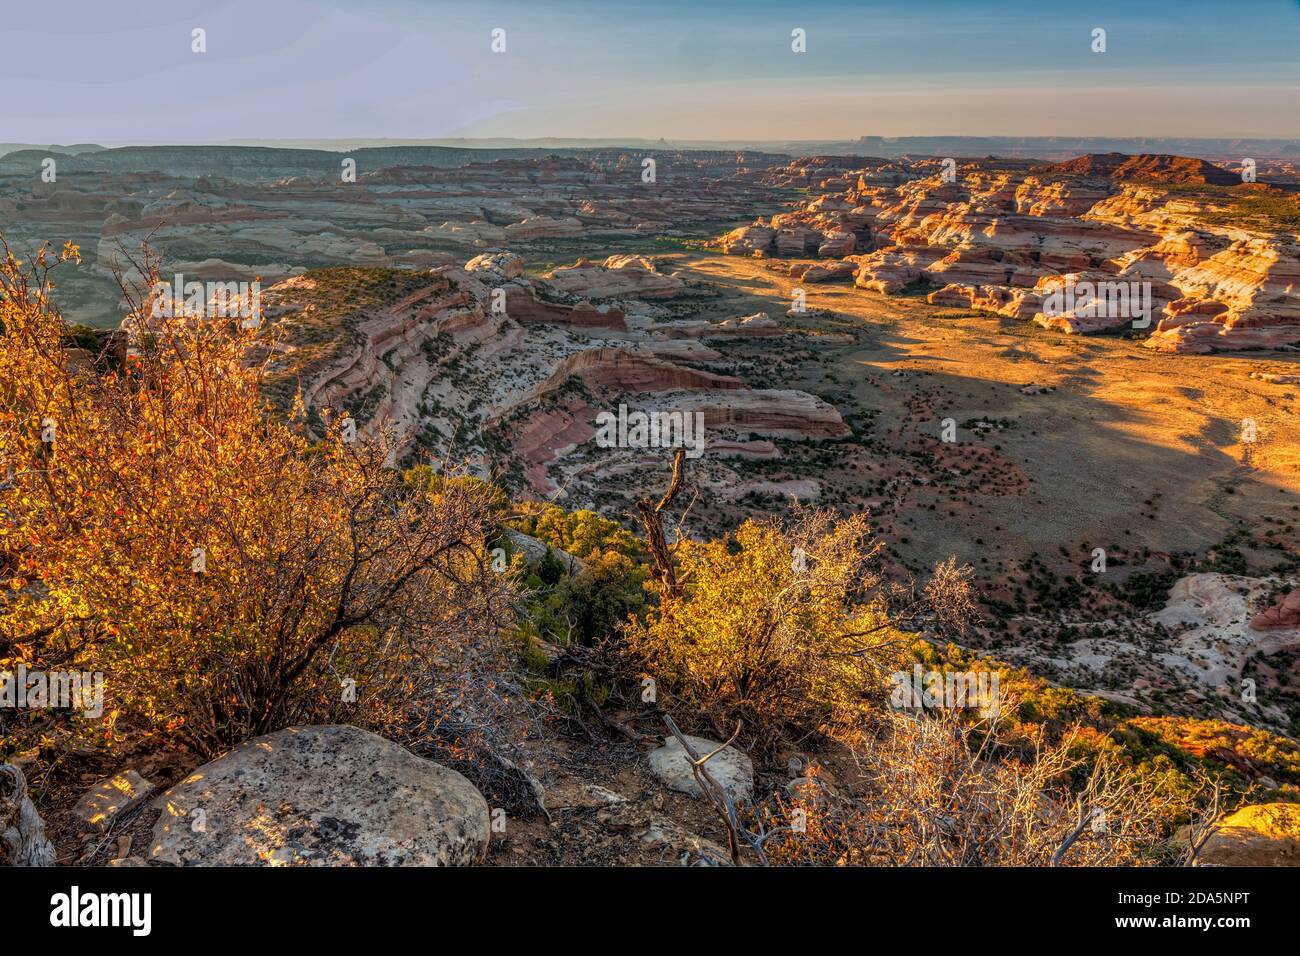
[1285, 613]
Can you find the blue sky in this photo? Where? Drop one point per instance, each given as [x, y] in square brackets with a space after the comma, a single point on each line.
[87, 70]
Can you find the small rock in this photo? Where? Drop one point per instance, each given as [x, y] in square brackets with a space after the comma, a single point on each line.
[603, 795]
[112, 797]
[732, 769]
[1276, 378]
[576, 796]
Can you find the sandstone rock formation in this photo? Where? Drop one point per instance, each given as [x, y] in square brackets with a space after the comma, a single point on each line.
[1156, 166]
[1276, 378]
[771, 412]
[822, 271]
[624, 370]
[321, 796]
[1211, 619]
[1285, 613]
[748, 239]
[617, 277]
[1266, 834]
[758, 325]
[233, 213]
[486, 364]
[1003, 236]
[499, 266]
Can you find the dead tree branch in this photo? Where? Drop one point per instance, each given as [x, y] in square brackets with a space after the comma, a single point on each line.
[652, 519]
[716, 794]
[22, 831]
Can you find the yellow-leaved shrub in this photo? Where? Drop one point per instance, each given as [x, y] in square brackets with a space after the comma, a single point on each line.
[778, 624]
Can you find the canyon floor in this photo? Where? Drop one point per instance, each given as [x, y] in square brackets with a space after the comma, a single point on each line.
[1121, 428]
[1073, 444]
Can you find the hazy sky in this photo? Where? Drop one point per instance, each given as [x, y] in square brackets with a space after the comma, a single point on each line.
[113, 72]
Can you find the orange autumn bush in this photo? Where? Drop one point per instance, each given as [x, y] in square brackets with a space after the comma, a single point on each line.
[228, 571]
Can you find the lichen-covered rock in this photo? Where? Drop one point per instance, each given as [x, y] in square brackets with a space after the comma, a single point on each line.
[322, 796]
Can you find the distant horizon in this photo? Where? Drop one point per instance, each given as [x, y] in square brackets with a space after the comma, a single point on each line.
[340, 143]
[732, 70]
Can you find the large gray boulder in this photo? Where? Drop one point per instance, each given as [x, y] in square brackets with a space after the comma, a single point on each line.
[731, 768]
[321, 796]
[534, 549]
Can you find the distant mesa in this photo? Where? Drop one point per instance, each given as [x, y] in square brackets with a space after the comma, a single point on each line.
[1156, 167]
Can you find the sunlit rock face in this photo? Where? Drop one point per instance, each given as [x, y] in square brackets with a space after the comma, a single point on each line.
[998, 236]
[626, 276]
[1265, 834]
